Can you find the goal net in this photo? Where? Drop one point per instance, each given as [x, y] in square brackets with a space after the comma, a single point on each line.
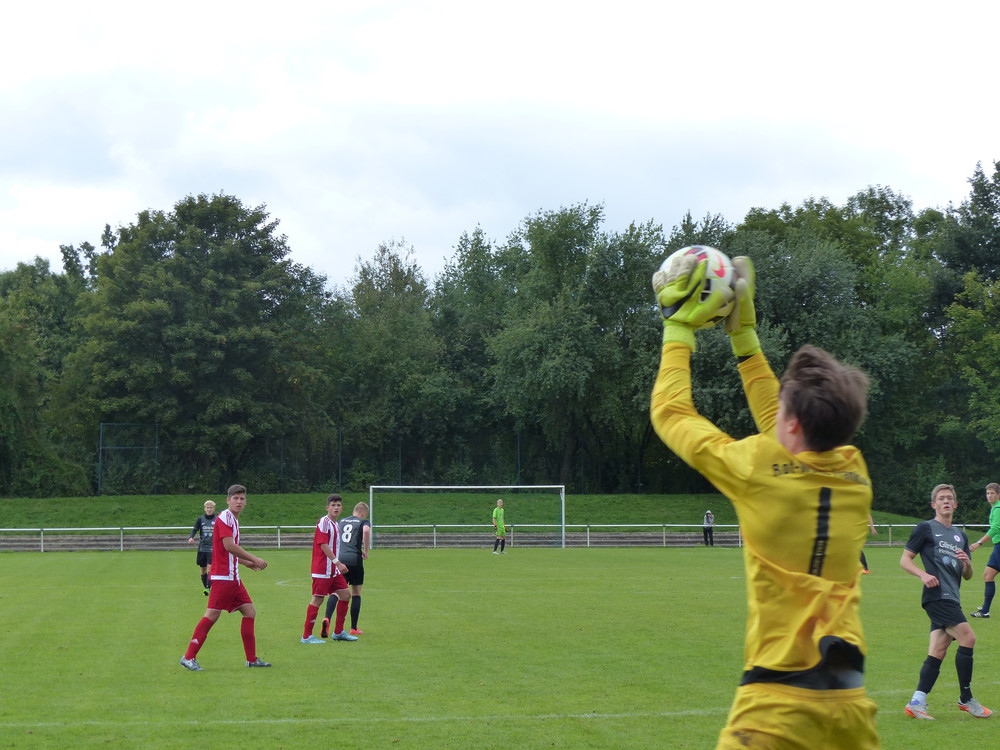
[462, 515]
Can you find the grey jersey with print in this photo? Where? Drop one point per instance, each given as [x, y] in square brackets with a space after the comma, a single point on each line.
[936, 544]
[203, 528]
[352, 535]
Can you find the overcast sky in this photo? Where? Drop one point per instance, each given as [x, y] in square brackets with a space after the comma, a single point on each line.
[368, 122]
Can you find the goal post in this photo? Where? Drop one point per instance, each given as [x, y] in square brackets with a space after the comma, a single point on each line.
[460, 515]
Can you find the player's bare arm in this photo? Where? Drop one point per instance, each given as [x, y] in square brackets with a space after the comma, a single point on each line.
[251, 561]
[907, 564]
[336, 563]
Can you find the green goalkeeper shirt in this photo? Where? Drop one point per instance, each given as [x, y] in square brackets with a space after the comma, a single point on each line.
[994, 532]
[498, 518]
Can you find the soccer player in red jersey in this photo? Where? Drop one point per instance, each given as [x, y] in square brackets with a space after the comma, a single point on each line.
[228, 592]
[328, 576]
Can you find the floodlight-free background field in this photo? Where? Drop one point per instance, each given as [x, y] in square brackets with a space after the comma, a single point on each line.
[574, 648]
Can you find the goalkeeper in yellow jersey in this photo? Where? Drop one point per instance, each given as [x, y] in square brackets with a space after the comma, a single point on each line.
[802, 495]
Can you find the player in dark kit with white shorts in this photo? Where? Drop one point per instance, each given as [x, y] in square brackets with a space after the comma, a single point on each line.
[355, 541]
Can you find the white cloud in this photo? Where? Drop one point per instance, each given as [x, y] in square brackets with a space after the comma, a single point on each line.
[361, 124]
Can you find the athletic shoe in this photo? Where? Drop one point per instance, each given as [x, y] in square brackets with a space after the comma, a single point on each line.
[258, 662]
[313, 639]
[205, 592]
[867, 572]
[355, 631]
[324, 631]
[981, 614]
[919, 710]
[342, 636]
[191, 664]
[975, 708]
[495, 552]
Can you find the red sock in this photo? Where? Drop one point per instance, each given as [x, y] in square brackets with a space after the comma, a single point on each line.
[198, 639]
[249, 640]
[342, 606]
[312, 612]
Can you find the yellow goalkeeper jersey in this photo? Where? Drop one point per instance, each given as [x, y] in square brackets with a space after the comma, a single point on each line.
[803, 517]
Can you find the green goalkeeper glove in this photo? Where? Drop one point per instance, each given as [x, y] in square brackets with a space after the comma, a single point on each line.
[742, 321]
[678, 291]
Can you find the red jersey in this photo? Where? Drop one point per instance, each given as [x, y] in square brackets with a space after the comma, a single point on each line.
[225, 566]
[326, 533]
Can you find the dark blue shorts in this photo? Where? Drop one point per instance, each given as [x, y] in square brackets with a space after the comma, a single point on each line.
[994, 558]
[944, 613]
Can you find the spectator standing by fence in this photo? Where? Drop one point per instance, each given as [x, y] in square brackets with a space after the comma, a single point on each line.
[708, 529]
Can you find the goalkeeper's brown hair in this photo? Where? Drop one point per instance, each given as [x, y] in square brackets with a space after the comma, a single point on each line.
[827, 397]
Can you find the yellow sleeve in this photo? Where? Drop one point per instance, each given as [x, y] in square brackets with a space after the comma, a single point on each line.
[723, 460]
[761, 387]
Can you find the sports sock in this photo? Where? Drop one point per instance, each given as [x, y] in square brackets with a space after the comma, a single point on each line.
[864, 561]
[963, 665]
[355, 611]
[496, 544]
[311, 612]
[331, 605]
[928, 674]
[503, 544]
[204, 580]
[198, 639]
[249, 639]
[342, 606]
[990, 592]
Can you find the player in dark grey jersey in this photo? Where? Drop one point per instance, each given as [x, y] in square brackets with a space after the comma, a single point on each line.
[944, 551]
[203, 532]
[355, 541]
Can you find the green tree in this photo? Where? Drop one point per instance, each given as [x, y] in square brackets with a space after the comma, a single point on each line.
[396, 399]
[196, 324]
[976, 243]
[848, 279]
[572, 359]
[468, 304]
[37, 313]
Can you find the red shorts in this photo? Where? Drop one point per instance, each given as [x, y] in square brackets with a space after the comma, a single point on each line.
[328, 586]
[228, 595]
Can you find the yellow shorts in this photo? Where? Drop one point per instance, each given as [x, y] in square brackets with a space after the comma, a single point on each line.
[769, 716]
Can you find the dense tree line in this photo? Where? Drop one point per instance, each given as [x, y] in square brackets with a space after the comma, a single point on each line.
[189, 350]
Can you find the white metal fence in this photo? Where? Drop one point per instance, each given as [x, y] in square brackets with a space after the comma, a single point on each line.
[123, 539]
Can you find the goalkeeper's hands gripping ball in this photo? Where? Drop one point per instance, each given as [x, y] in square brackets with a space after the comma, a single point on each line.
[741, 323]
[686, 302]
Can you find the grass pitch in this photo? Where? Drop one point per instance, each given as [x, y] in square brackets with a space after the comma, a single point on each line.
[555, 648]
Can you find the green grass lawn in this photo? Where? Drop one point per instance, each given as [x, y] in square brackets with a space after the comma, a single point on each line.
[574, 648]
